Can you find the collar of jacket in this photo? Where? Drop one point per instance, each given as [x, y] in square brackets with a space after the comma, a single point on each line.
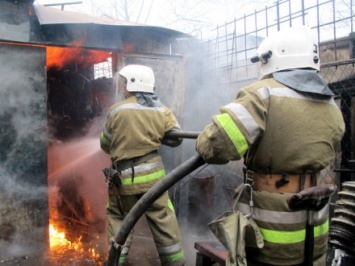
[303, 80]
[148, 99]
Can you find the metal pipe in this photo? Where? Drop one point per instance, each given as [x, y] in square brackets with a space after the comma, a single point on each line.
[146, 200]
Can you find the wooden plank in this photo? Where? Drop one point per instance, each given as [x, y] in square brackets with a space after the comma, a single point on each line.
[215, 251]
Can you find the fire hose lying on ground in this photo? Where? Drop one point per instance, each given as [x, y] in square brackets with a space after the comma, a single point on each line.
[150, 196]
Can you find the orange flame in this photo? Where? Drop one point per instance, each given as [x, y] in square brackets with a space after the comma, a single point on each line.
[61, 56]
[61, 246]
[57, 239]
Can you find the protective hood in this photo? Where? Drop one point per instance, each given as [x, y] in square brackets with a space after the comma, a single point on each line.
[304, 81]
[148, 99]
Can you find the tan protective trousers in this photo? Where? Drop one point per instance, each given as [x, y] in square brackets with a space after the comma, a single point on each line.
[162, 222]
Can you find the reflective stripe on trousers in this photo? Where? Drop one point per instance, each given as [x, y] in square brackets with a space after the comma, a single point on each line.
[288, 237]
[170, 254]
[283, 230]
[162, 223]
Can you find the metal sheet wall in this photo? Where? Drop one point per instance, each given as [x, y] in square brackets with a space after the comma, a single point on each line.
[23, 146]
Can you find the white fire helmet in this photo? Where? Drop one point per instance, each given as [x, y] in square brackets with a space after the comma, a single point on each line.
[139, 78]
[290, 48]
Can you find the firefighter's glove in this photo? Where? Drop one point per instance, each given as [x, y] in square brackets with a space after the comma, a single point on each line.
[313, 198]
[171, 141]
[211, 146]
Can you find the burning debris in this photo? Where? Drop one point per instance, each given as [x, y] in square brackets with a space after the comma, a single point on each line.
[77, 199]
[77, 252]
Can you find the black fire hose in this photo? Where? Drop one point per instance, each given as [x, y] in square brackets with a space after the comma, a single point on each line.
[145, 201]
[182, 134]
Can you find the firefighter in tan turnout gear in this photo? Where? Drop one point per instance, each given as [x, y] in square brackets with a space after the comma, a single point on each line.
[287, 128]
[134, 131]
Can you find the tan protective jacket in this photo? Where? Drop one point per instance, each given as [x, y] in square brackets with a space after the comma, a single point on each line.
[133, 130]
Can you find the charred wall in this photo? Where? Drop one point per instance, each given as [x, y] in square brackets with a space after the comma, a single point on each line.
[23, 143]
[15, 21]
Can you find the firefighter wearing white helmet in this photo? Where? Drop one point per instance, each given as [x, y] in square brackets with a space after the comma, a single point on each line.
[292, 49]
[139, 78]
[287, 128]
[133, 132]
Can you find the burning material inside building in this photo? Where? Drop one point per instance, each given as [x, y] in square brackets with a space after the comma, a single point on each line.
[76, 202]
[74, 97]
[74, 100]
[77, 194]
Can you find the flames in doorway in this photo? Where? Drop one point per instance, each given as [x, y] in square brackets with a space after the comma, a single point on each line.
[61, 57]
[77, 189]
